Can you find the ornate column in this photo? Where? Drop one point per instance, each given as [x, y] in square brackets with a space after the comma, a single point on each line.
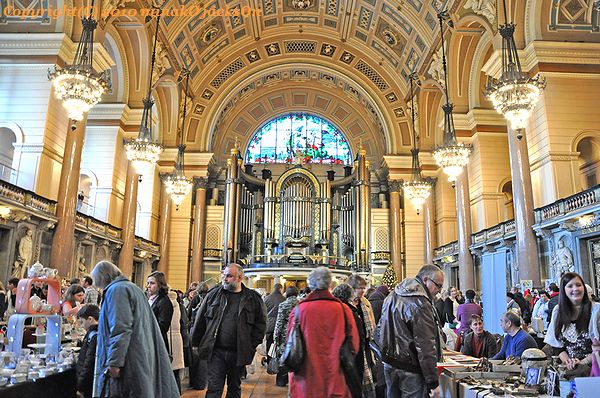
[66, 207]
[395, 229]
[362, 212]
[466, 271]
[526, 249]
[429, 225]
[128, 224]
[230, 241]
[199, 234]
[164, 226]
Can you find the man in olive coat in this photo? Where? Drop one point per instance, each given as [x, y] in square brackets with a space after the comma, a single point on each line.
[132, 360]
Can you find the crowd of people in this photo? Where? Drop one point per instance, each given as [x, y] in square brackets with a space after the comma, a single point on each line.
[138, 342]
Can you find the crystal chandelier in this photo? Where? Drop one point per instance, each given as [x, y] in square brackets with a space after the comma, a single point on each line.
[418, 189]
[77, 85]
[177, 185]
[515, 94]
[143, 152]
[453, 156]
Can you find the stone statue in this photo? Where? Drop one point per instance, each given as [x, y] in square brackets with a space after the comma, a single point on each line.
[24, 256]
[562, 261]
[81, 267]
[436, 68]
[485, 8]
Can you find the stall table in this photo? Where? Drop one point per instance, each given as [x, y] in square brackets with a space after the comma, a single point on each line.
[58, 385]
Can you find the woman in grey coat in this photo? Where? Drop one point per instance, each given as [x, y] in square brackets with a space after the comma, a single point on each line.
[132, 360]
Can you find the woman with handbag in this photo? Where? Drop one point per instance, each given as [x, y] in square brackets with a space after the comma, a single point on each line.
[279, 335]
[363, 386]
[320, 322]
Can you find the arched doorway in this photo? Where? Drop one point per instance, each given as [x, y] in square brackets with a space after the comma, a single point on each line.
[589, 161]
[7, 152]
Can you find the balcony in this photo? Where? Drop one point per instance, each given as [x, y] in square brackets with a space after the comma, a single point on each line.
[570, 207]
[21, 199]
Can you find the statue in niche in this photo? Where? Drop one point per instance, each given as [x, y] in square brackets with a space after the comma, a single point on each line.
[81, 267]
[24, 256]
[561, 261]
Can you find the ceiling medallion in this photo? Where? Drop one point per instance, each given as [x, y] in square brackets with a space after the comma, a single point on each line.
[301, 4]
[210, 33]
[390, 37]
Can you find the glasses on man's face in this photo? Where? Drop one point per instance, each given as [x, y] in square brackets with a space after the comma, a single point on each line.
[439, 285]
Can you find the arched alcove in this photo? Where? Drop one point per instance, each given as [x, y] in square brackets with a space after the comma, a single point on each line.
[589, 161]
[7, 150]
[508, 208]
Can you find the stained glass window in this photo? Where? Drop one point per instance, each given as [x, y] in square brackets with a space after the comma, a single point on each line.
[313, 139]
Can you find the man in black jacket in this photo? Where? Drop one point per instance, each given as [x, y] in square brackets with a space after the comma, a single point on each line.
[479, 343]
[409, 336]
[229, 326]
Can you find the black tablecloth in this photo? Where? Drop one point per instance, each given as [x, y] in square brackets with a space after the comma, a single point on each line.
[59, 385]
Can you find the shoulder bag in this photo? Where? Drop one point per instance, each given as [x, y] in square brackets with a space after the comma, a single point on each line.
[348, 363]
[295, 348]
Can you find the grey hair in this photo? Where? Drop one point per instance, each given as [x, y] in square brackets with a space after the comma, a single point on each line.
[513, 318]
[429, 271]
[344, 292]
[104, 273]
[355, 281]
[202, 287]
[319, 278]
[239, 268]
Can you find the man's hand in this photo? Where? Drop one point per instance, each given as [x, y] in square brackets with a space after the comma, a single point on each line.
[595, 345]
[114, 372]
[435, 393]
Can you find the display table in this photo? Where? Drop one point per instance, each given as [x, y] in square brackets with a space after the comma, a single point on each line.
[59, 385]
[451, 388]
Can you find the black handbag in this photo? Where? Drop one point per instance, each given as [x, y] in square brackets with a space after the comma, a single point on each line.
[348, 363]
[295, 349]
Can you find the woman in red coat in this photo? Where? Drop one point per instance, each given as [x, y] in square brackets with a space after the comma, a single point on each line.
[323, 325]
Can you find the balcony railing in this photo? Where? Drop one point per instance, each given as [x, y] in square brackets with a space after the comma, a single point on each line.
[449, 249]
[577, 202]
[28, 199]
[94, 225]
[210, 254]
[504, 230]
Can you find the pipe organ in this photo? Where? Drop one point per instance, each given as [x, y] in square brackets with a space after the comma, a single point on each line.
[297, 219]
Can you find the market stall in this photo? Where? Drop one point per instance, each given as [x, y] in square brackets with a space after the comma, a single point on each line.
[39, 354]
[534, 375]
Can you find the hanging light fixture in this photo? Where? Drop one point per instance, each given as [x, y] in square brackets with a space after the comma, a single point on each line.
[515, 94]
[143, 151]
[453, 156]
[77, 85]
[177, 185]
[418, 189]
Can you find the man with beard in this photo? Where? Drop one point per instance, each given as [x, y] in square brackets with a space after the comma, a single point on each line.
[229, 326]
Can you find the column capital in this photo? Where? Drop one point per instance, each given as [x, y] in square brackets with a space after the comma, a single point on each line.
[200, 182]
[395, 186]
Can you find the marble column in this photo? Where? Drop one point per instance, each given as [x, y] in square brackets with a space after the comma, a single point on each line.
[128, 222]
[164, 226]
[199, 235]
[466, 271]
[396, 229]
[526, 248]
[63, 242]
[429, 225]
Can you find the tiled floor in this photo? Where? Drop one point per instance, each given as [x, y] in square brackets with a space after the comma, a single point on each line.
[257, 385]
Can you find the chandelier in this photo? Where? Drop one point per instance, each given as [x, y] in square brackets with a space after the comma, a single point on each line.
[453, 156]
[177, 185]
[418, 189]
[77, 85]
[515, 94]
[143, 152]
